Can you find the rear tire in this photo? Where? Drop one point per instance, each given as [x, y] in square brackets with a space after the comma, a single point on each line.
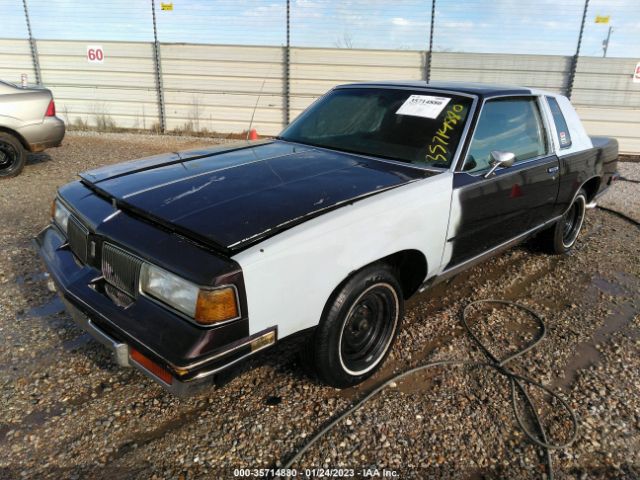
[561, 236]
[13, 156]
[358, 327]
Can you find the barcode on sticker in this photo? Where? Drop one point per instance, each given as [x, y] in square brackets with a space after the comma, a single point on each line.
[426, 106]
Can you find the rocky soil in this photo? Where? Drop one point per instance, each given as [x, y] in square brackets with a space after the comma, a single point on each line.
[69, 412]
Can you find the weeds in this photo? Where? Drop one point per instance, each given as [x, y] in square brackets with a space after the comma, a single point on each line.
[81, 124]
[104, 123]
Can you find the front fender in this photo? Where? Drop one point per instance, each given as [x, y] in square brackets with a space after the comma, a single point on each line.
[290, 277]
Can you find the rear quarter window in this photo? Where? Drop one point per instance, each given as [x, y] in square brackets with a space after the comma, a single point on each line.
[561, 125]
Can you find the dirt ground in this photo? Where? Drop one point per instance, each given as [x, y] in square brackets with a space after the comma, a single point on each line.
[69, 412]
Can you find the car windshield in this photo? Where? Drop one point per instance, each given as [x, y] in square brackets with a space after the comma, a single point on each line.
[420, 127]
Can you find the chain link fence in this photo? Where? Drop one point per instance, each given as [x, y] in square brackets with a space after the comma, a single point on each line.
[221, 66]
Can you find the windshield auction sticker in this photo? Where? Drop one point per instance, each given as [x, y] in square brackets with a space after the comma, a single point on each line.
[426, 106]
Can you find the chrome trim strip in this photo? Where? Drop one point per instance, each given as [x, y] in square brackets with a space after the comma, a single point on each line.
[121, 351]
[233, 347]
[445, 274]
[186, 387]
[548, 159]
[208, 373]
[575, 195]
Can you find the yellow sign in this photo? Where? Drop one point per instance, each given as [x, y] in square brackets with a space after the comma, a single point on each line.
[602, 19]
[167, 7]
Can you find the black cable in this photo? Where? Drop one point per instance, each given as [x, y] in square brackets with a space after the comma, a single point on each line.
[621, 215]
[625, 179]
[517, 385]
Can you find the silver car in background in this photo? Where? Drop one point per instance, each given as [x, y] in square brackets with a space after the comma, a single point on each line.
[28, 123]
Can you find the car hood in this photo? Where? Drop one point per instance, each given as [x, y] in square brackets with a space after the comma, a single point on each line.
[233, 196]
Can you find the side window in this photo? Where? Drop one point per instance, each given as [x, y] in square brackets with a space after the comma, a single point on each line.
[561, 124]
[507, 124]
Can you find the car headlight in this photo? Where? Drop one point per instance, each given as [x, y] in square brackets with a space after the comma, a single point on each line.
[205, 306]
[60, 215]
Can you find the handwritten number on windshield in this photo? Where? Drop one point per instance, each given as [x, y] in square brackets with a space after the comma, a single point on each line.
[439, 146]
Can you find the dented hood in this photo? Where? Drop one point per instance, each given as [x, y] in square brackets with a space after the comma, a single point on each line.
[234, 196]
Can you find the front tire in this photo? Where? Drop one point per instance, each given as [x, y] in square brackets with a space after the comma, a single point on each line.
[561, 237]
[358, 326]
[13, 156]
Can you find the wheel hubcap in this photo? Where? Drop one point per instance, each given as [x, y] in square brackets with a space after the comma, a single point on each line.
[368, 329]
[8, 156]
[573, 222]
[570, 221]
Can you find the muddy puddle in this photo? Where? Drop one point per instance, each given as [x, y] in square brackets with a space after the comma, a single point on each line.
[32, 277]
[618, 319]
[51, 307]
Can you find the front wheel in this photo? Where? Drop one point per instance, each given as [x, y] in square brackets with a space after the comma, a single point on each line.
[562, 236]
[358, 327]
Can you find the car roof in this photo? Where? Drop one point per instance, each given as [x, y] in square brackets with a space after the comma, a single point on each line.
[479, 89]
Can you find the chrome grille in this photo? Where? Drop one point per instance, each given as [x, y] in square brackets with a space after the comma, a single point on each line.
[121, 269]
[78, 237]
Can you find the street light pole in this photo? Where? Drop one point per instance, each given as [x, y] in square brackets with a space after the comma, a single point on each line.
[605, 43]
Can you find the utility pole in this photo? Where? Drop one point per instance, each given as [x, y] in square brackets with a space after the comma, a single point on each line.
[32, 45]
[287, 68]
[427, 73]
[605, 43]
[158, 71]
[574, 60]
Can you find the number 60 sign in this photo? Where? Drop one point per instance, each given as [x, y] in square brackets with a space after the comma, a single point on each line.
[95, 54]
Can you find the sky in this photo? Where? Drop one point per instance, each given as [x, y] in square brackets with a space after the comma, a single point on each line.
[503, 26]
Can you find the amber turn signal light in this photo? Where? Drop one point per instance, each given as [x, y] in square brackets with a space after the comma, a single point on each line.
[216, 306]
[159, 371]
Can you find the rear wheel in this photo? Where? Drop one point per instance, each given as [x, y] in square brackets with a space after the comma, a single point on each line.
[12, 156]
[358, 327]
[562, 236]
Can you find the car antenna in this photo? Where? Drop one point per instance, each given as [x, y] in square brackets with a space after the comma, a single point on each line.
[264, 81]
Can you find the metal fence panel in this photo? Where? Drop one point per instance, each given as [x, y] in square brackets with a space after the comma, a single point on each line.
[15, 59]
[316, 70]
[120, 92]
[221, 88]
[548, 72]
[606, 82]
[623, 124]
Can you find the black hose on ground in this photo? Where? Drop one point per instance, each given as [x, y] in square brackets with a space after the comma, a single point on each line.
[620, 214]
[630, 180]
[516, 381]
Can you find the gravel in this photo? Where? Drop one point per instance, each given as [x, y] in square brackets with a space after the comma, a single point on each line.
[70, 412]
[625, 198]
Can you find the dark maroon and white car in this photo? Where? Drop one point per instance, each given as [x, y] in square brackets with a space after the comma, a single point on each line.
[187, 263]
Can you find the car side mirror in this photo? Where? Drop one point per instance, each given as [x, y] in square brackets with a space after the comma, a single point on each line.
[500, 159]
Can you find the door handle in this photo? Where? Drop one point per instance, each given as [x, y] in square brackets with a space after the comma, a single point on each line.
[553, 170]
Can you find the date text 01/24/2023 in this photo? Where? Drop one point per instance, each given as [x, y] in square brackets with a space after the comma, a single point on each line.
[369, 472]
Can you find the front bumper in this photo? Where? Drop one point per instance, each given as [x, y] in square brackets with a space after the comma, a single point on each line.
[88, 310]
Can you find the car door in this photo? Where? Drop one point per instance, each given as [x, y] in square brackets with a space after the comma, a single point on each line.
[490, 209]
